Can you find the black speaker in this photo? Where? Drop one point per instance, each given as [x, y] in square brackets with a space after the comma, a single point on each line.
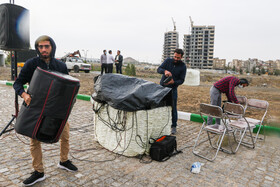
[14, 27]
[23, 56]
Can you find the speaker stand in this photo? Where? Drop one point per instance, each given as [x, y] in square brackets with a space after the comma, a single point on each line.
[13, 77]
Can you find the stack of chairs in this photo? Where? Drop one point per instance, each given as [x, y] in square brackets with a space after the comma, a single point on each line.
[236, 125]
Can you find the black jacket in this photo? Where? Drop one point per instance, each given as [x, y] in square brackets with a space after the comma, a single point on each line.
[30, 66]
[178, 71]
[120, 59]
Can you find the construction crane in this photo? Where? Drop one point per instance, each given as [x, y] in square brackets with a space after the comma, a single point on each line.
[191, 21]
[174, 24]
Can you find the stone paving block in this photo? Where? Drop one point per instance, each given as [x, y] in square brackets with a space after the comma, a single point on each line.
[95, 181]
[269, 178]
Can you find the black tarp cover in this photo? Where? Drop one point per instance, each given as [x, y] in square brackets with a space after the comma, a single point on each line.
[128, 93]
[53, 96]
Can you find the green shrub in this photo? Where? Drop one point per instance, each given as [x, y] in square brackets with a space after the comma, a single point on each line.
[130, 70]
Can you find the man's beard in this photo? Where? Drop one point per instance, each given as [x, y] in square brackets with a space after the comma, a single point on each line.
[45, 56]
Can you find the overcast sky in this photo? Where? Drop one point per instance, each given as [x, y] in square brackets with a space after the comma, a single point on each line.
[243, 28]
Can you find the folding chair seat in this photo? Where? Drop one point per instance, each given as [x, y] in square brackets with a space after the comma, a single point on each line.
[253, 121]
[216, 112]
[259, 105]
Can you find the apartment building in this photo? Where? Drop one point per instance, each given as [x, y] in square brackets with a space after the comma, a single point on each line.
[199, 47]
[237, 64]
[219, 63]
[251, 63]
[277, 64]
[171, 43]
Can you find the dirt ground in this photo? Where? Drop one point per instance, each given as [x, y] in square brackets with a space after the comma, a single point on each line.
[189, 97]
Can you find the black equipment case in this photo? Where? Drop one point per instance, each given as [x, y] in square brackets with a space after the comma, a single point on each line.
[53, 96]
[163, 148]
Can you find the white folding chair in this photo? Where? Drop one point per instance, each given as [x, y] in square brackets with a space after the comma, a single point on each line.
[217, 112]
[241, 124]
[261, 106]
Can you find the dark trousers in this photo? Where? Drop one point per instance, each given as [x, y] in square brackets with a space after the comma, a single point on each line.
[103, 68]
[174, 107]
[119, 68]
[109, 68]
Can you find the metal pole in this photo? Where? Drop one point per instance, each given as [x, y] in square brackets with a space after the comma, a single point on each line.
[16, 96]
[12, 66]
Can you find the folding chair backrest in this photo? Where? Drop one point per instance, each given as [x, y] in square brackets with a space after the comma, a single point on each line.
[243, 101]
[211, 110]
[259, 104]
[235, 109]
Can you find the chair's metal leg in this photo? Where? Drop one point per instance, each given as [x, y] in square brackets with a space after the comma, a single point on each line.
[217, 143]
[252, 137]
[233, 134]
[257, 135]
[196, 141]
[209, 139]
[263, 132]
[229, 143]
[220, 143]
[248, 144]
[240, 140]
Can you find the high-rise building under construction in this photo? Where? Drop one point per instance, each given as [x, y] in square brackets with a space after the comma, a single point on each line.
[171, 43]
[199, 47]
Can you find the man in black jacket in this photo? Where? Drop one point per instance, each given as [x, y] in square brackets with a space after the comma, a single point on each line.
[45, 48]
[118, 62]
[176, 70]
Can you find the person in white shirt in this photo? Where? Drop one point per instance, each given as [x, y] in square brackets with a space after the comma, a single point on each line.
[110, 62]
[103, 61]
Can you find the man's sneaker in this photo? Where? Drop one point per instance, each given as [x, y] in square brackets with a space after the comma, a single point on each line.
[34, 178]
[173, 130]
[67, 165]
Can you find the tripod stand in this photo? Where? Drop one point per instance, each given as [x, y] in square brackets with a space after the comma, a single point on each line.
[13, 77]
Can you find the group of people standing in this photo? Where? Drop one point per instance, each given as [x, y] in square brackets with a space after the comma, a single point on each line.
[107, 61]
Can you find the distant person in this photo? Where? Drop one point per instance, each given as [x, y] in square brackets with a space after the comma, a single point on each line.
[225, 85]
[103, 61]
[45, 48]
[110, 62]
[118, 62]
[176, 69]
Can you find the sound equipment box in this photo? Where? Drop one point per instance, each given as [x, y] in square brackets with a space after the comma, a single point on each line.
[53, 96]
[14, 27]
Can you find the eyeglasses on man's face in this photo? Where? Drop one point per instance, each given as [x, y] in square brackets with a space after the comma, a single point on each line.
[44, 46]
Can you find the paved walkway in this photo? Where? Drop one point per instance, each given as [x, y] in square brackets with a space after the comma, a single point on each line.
[99, 167]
